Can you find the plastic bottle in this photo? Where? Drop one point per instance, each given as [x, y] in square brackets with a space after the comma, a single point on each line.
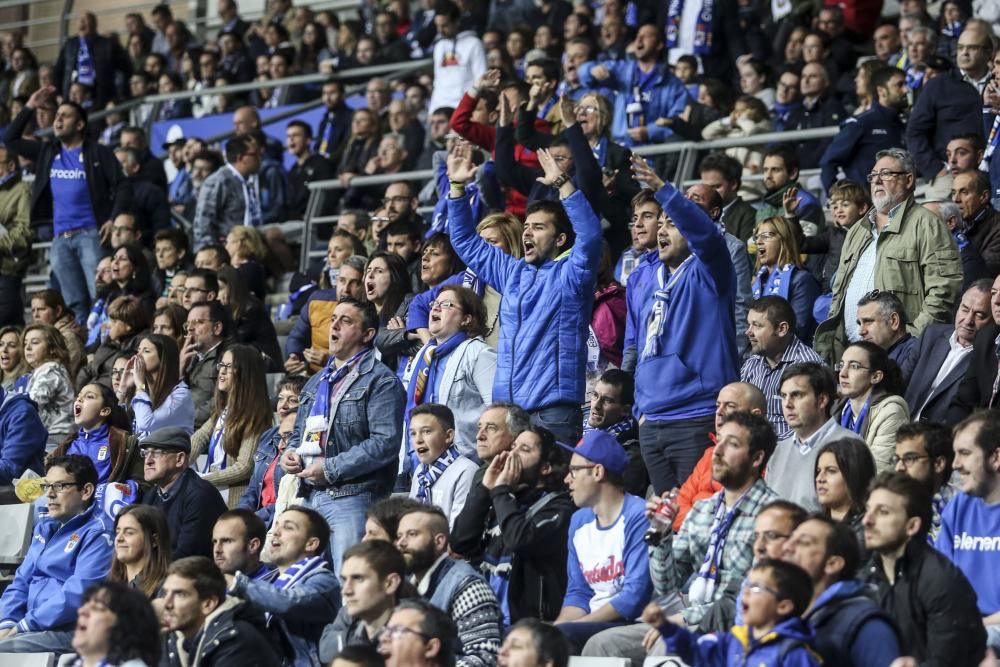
[662, 519]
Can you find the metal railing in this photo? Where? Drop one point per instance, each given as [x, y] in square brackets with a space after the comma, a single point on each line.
[685, 168]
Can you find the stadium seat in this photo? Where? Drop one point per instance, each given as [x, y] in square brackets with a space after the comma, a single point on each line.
[663, 661]
[16, 537]
[27, 659]
[586, 661]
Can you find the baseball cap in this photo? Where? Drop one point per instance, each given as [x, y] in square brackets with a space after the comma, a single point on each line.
[601, 447]
[175, 135]
[172, 438]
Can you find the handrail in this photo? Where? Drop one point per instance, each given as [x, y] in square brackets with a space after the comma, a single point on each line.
[738, 142]
[335, 5]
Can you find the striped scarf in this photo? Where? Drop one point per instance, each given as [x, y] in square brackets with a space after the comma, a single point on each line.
[428, 475]
[661, 302]
[296, 573]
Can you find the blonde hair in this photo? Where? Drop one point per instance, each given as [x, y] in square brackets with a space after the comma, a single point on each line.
[789, 253]
[510, 229]
[251, 242]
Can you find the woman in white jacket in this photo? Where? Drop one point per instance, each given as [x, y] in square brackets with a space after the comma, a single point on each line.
[48, 383]
[456, 366]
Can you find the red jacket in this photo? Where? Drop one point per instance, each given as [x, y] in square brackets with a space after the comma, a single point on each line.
[485, 136]
[608, 321]
[698, 486]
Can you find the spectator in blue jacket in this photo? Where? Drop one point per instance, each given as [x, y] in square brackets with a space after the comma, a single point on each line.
[851, 628]
[262, 490]
[681, 326]
[547, 298]
[22, 436]
[302, 595]
[853, 148]
[647, 91]
[70, 550]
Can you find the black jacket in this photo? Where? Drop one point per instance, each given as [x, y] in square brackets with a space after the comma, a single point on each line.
[191, 506]
[149, 206]
[234, 634]
[946, 107]
[922, 367]
[934, 607]
[104, 175]
[254, 327]
[976, 388]
[334, 129]
[109, 60]
[523, 535]
[315, 168]
[824, 112]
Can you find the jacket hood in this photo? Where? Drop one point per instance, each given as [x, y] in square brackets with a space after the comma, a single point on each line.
[791, 628]
[840, 590]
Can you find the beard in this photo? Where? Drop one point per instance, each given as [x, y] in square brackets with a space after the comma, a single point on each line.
[420, 561]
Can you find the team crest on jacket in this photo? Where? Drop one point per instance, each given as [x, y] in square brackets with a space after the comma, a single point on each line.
[73, 540]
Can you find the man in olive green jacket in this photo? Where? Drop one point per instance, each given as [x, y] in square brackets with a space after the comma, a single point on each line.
[914, 256]
[15, 237]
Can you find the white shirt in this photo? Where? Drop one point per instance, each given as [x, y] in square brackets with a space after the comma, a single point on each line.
[686, 30]
[956, 353]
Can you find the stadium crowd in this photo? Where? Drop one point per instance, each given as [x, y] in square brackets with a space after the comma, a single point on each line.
[547, 403]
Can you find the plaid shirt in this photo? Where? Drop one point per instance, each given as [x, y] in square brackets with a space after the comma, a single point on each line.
[678, 557]
[759, 373]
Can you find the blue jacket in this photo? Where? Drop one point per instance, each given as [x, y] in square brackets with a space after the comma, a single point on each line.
[697, 355]
[787, 645]
[853, 148]
[301, 612]
[22, 437]
[366, 432]
[667, 97]
[946, 107]
[545, 309]
[267, 449]
[851, 628]
[300, 337]
[63, 561]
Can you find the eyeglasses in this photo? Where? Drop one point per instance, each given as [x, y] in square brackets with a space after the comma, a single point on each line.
[146, 452]
[398, 199]
[559, 159]
[907, 459]
[764, 237]
[190, 324]
[754, 589]
[222, 366]
[397, 631]
[284, 437]
[885, 175]
[574, 469]
[58, 487]
[769, 536]
[194, 289]
[871, 296]
[851, 366]
[445, 305]
[587, 110]
[117, 372]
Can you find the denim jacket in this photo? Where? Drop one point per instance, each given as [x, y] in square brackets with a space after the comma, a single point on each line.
[367, 427]
[267, 449]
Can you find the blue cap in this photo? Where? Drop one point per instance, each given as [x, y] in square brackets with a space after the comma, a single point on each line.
[601, 447]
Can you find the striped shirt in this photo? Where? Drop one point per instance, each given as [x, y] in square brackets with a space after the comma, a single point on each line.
[758, 372]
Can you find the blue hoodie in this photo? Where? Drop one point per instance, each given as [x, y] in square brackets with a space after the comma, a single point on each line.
[697, 355]
[875, 642]
[542, 352]
[787, 645]
[63, 561]
[22, 437]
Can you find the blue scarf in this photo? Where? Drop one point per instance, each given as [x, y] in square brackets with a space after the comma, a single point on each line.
[847, 419]
[615, 429]
[661, 301]
[428, 475]
[601, 151]
[472, 281]
[953, 29]
[991, 145]
[914, 78]
[20, 385]
[703, 33]
[112, 497]
[426, 367]
[702, 590]
[95, 321]
[296, 573]
[85, 65]
[215, 446]
[782, 112]
[773, 283]
[321, 406]
[285, 309]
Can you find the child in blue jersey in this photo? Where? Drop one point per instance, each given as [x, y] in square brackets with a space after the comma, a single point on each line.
[773, 600]
[103, 435]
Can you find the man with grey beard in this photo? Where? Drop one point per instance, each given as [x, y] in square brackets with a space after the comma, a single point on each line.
[899, 247]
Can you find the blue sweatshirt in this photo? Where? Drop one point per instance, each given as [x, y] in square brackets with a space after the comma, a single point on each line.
[786, 645]
[970, 538]
[609, 564]
[697, 353]
[94, 445]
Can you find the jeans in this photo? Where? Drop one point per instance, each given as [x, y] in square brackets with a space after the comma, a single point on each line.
[564, 420]
[671, 449]
[11, 303]
[46, 641]
[74, 263]
[577, 634]
[346, 517]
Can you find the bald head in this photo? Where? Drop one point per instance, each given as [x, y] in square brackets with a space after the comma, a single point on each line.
[707, 197]
[739, 397]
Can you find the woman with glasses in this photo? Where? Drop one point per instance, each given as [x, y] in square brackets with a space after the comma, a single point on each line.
[142, 549]
[253, 325]
[12, 364]
[116, 627]
[873, 407]
[844, 469]
[153, 389]
[241, 414]
[262, 491]
[456, 366]
[127, 318]
[103, 435]
[47, 382]
[780, 272]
